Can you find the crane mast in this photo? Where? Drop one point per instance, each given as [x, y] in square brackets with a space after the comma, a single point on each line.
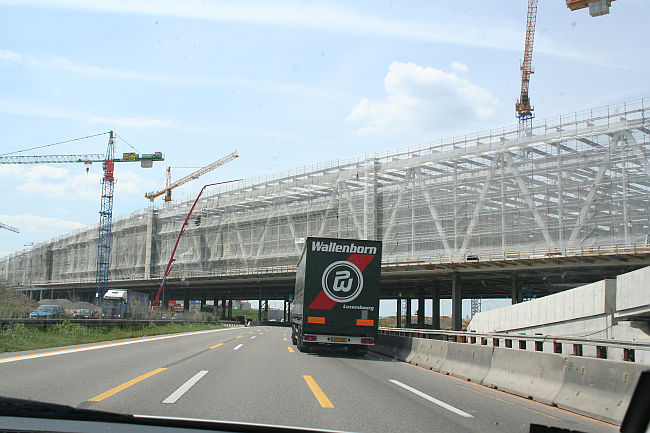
[523, 107]
[105, 222]
[108, 161]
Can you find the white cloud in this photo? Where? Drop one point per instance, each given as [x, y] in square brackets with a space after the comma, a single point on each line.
[48, 111]
[458, 67]
[82, 186]
[43, 171]
[58, 63]
[425, 99]
[29, 223]
[11, 170]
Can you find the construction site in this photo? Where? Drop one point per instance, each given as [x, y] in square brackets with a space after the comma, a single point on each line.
[575, 185]
[508, 211]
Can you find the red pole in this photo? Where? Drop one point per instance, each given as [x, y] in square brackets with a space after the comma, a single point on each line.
[171, 259]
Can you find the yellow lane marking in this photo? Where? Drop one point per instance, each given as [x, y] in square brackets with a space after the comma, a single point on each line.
[498, 391]
[290, 349]
[239, 336]
[216, 345]
[284, 339]
[125, 385]
[250, 332]
[508, 402]
[318, 393]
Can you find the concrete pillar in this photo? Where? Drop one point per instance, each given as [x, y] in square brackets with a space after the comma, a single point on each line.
[148, 245]
[399, 312]
[408, 312]
[165, 297]
[186, 300]
[266, 310]
[456, 303]
[421, 307]
[203, 301]
[259, 308]
[223, 308]
[435, 308]
[284, 310]
[229, 309]
[516, 293]
[288, 311]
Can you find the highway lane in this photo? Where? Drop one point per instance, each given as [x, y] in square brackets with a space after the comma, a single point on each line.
[255, 375]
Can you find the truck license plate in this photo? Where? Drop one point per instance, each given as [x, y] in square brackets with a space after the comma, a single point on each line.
[339, 340]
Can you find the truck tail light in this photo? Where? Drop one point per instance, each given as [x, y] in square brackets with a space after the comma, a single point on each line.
[309, 338]
[365, 322]
[367, 341]
[314, 319]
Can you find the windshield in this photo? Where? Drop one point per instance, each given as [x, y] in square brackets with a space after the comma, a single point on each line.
[279, 188]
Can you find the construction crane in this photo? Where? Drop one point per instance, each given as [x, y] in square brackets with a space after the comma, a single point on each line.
[597, 8]
[8, 227]
[106, 209]
[194, 175]
[522, 107]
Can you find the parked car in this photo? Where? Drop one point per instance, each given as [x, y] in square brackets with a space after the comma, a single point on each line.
[47, 312]
[85, 313]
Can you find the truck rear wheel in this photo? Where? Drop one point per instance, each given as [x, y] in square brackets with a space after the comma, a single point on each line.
[302, 346]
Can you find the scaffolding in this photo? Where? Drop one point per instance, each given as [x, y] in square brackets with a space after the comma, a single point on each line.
[576, 183]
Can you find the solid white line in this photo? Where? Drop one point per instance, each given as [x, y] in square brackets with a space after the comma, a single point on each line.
[252, 337]
[174, 396]
[237, 347]
[432, 400]
[103, 346]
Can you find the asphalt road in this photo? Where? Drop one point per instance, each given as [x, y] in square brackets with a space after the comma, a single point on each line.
[256, 375]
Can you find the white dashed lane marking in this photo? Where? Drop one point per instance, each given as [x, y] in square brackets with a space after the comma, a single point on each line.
[174, 396]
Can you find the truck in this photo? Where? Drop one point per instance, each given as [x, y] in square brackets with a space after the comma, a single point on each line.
[124, 304]
[336, 298]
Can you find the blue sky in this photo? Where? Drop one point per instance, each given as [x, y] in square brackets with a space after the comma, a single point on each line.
[286, 83]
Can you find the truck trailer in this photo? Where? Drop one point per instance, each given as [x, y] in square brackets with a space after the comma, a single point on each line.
[124, 304]
[336, 299]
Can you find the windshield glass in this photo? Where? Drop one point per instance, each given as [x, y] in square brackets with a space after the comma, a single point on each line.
[280, 188]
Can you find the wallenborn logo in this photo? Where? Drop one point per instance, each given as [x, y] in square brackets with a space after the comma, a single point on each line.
[342, 281]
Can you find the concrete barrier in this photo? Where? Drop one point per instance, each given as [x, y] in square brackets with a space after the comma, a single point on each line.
[393, 346]
[467, 361]
[529, 374]
[428, 353]
[598, 388]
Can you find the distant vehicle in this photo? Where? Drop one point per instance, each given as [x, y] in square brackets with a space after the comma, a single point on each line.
[336, 301]
[47, 312]
[124, 304]
[84, 313]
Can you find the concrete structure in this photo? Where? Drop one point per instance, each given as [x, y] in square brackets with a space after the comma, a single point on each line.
[633, 294]
[475, 216]
[584, 311]
[609, 309]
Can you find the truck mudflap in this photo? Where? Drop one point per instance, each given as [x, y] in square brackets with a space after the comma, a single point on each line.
[338, 339]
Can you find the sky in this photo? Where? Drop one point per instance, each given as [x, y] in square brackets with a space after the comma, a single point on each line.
[285, 83]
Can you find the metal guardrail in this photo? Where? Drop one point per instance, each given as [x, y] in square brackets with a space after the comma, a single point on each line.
[44, 323]
[495, 339]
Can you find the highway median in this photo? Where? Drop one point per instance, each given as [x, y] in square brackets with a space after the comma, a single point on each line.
[18, 337]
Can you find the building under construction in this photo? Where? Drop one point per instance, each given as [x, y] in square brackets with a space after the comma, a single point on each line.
[576, 184]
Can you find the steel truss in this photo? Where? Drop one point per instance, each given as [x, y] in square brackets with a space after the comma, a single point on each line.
[578, 181]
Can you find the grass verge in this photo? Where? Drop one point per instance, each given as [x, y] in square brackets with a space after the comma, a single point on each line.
[20, 337]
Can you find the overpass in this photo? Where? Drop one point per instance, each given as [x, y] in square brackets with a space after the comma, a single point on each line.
[478, 216]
